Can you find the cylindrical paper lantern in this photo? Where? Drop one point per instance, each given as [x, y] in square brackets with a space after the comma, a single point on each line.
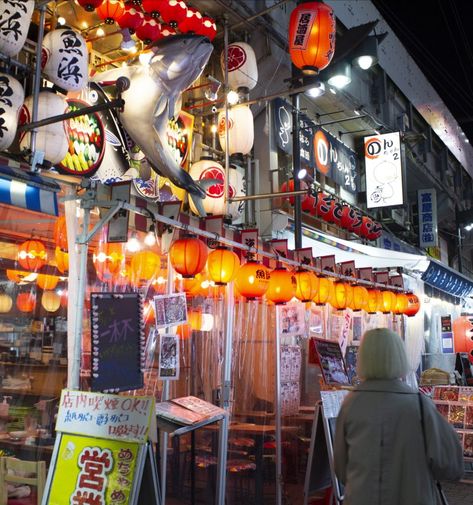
[12, 97]
[240, 130]
[222, 264]
[32, 255]
[110, 11]
[312, 36]
[413, 305]
[193, 21]
[374, 300]
[145, 265]
[348, 218]
[324, 291]
[242, 67]
[307, 284]
[62, 260]
[360, 298]
[15, 18]
[375, 232]
[188, 256]
[252, 280]
[401, 303]
[51, 301]
[26, 302]
[47, 282]
[282, 286]
[50, 139]
[388, 302]
[340, 296]
[365, 227]
[289, 186]
[6, 303]
[65, 59]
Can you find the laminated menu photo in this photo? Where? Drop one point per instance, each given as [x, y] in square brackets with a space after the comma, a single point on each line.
[456, 415]
[468, 445]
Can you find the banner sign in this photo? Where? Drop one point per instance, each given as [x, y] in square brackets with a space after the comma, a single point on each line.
[384, 181]
[348, 269]
[441, 277]
[427, 205]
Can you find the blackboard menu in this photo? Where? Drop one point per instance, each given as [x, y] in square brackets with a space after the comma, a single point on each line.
[331, 362]
[117, 341]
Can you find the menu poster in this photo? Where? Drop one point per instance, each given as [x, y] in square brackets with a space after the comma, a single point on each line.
[117, 342]
[170, 310]
[291, 318]
[351, 358]
[169, 357]
[331, 362]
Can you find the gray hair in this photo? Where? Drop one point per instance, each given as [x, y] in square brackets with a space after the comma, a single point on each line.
[382, 355]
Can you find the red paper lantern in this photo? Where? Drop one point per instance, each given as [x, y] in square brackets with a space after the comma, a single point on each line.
[32, 255]
[375, 232]
[252, 280]
[322, 205]
[60, 233]
[307, 284]
[463, 334]
[360, 298]
[324, 291]
[110, 11]
[62, 260]
[312, 36]
[172, 12]
[364, 229]
[348, 218]
[413, 305]
[336, 212]
[188, 256]
[193, 21]
[222, 265]
[26, 302]
[152, 7]
[149, 31]
[167, 31]
[357, 222]
[132, 18]
[89, 5]
[289, 186]
[282, 286]
[208, 29]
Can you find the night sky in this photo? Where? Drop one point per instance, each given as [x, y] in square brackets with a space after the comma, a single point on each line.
[438, 35]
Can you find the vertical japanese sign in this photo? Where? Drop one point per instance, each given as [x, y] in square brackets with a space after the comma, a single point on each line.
[427, 209]
[384, 180]
[446, 334]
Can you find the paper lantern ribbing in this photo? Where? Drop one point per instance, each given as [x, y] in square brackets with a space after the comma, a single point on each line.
[51, 139]
[252, 280]
[312, 36]
[222, 264]
[282, 286]
[208, 28]
[65, 59]
[188, 256]
[60, 233]
[12, 97]
[172, 12]
[348, 218]
[131, 19]
[26, 302]
[413, 305]
[6, 303]
[360, 298]
[50, 301]
[242, 67]
[324, 291]
[15, 18]
[47, 282]
[110, 11]
[32, 255]
[62, 260]
[307, 284]
[193, 21]
[387, 302]
[149, 31]
[401, 303]
[240, 130]
[340, 297]
[375, 299]
[146, 265]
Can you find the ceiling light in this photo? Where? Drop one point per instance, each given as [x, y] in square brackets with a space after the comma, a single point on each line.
[340, 75]
[61, 21]
[100, 32]
[318, 89]
[133, 244]
[150, 238]
[232, 97]
[366, 54]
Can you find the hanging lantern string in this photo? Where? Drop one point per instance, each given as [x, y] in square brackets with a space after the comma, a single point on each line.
[237, 245]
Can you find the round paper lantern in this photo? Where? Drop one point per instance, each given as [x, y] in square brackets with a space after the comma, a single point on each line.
[463, 333]
[32, 255]
[336, 210]
[188, 256]
[193, 21]
[110, 11]
[149, 31]
[413, 305]
[240, 130]
[12, 97]
[172, 12]
[401, 303]
[360, 298]
[348, 218]
[65, 59]
[365, 227]
[47, 282]
[50, 139]
[6, 303]
[312, 36]
[50, 301]
[131, 19]
[207, 29]
[26, 302]
[145, 265]
[375, 299]
[289, 186]
[307, 284]
[62, 260]
[375, 232]
[89, 5]
[388, 302]
[282, 286]
[222, 264]
[340, 296]
[19, 277]
[324, 291]
[15, 18]
[108, 260]
[252, 280]
[242, 67]
[60, 233]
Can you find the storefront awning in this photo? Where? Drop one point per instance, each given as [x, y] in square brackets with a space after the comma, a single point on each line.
[28, 191]
[448, 280]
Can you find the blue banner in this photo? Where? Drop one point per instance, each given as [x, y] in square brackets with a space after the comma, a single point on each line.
[447, 280]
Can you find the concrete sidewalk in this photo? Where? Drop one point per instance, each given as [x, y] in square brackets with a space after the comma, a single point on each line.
[458, 493]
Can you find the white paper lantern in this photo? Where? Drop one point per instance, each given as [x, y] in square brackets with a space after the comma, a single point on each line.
[65, 59]
[11, 99]
[51, 139]
[237, 187]
[242, 67]
[15, 18]
[240, 130]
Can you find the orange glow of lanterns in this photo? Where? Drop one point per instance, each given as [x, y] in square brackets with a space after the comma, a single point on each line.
[21, 277]
[312, 36]
[47, 282]
[323, 292]
[60, 233]
[401, 303]
[341, 295]
[252, 280]
[360, 298]
[32, 255]
[387, 302]
[374, 300]
[6, 303]
[50, 301]
[413, 305]
[307, 284]
[108, 260]
[110, 11]
[62, 260]
[26, 302]
[222, 265]
[188, 256]
[282, 286]
[146, 265]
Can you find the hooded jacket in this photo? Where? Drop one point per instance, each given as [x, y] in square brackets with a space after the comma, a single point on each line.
[379, 452]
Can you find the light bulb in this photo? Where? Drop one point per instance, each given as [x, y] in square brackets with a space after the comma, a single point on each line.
[61, 21]
[365, 62]
[150, 239]
[133, 244]
[233, 97]
[100, 32]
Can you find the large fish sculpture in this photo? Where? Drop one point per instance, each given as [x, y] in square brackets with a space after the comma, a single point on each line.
[151, 99]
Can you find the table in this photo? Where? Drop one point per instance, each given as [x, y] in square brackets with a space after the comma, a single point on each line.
[30, 452]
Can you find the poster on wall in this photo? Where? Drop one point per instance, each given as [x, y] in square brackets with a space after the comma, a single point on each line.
[291, 319]
[169, 357]
[331, 362]
[170, 310]
[384, 177]
[446, 334]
